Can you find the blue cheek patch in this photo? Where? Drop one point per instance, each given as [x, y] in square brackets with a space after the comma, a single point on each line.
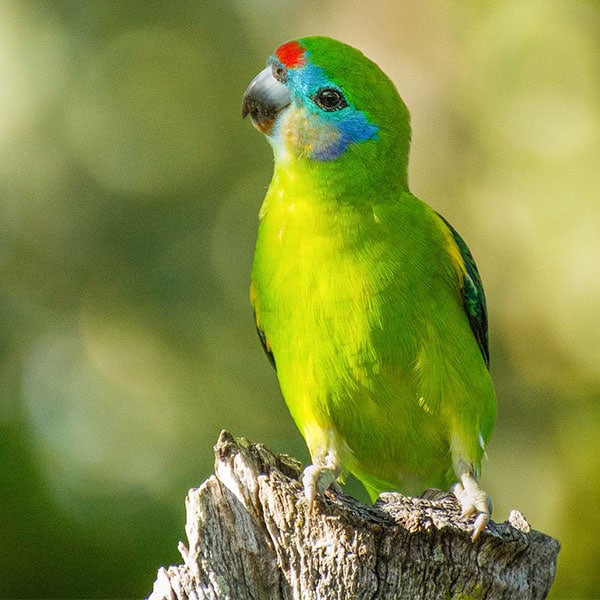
[350, 128]
[331, 132]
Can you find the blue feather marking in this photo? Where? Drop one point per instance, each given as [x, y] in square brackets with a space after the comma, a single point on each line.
[473, 295]
[349, 125]
[352, 127]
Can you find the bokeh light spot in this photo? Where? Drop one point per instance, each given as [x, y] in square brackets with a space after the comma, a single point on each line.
[143, 118]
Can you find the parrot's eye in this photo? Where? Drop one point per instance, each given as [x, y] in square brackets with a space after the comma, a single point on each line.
[330, 99]
[279, 73]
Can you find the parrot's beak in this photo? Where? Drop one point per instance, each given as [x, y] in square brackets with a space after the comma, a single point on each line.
[264, 99]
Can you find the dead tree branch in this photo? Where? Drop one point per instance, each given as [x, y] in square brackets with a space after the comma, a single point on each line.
[250, 537]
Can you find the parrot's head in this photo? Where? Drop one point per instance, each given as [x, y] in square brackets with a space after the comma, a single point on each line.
[324, 104]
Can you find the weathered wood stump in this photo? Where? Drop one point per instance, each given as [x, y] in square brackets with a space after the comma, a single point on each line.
[250, 536]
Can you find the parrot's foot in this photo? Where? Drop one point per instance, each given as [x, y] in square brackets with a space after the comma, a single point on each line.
[316, 479]
[474, 501]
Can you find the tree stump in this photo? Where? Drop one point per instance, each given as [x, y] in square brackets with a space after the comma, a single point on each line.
[251, 536]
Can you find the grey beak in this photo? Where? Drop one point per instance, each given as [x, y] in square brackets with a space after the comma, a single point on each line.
[264, 99]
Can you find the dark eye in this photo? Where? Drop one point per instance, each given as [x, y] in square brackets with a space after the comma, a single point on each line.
[279, 73]
[330, 99]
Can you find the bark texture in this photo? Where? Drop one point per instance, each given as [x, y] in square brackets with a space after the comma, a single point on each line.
[250, 536]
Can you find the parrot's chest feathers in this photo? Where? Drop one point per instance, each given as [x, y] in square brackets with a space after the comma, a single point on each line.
[321, 257]
[326, 271]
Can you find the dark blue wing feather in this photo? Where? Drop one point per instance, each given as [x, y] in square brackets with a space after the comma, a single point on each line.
[473, 295]
[265, 345]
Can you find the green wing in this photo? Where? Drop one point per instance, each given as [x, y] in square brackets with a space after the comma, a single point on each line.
[473, 295]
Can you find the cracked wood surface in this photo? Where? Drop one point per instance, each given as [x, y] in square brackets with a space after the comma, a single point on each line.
[250, 537]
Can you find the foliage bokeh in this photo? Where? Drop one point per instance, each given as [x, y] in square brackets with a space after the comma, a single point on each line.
[129, 189]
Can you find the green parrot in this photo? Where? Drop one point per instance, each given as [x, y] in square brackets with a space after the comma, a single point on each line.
[368, 303]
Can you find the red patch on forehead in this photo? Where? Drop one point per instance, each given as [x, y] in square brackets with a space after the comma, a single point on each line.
[291, 54]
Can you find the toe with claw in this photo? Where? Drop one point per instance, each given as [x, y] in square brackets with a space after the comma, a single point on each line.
[320, 476]
[474, 501]
[316, 480]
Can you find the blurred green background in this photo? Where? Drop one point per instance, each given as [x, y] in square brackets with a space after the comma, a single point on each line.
[129, 188]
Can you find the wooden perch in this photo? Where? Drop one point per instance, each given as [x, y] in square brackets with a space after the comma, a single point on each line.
[251, 537]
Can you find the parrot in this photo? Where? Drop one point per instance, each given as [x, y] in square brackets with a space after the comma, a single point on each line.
[368, 302]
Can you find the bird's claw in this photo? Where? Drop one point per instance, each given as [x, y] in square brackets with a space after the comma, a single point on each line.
[473, 501]
[316, 479]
